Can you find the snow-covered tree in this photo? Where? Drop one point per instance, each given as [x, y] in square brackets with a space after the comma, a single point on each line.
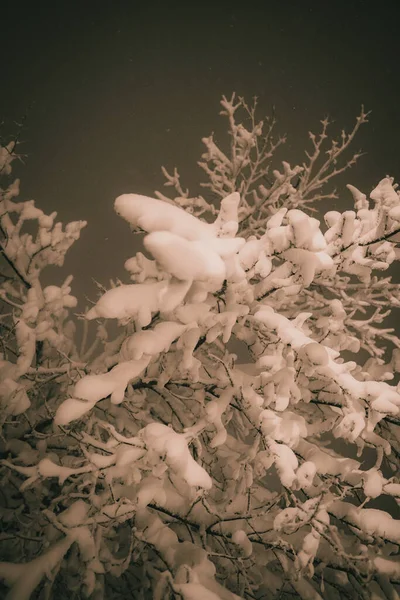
[230, 441]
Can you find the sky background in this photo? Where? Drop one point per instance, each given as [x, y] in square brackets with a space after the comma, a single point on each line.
[114, 91]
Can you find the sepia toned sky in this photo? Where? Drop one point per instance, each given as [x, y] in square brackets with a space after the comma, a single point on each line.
[112, 92]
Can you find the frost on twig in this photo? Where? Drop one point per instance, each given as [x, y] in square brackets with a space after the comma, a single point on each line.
[246, 166]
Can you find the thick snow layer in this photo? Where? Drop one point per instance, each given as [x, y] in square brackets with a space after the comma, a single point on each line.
[48, 468]
[240, 538]
[309, 263]
[185, 260]
[26, 340]
[287, 427]
[285, 461]
[369, 520]
[95, 387]
[24, 578]
[151, 341]
[226, 224]
[373, 483]
[135, 300]
[326, 461]
[75, 514]
[139, 301]
[155, 215]
[72, 409]
[224, 247]
[194, 591]
[385, 193]
[165, 441]
[192, 313]
[92, 388]
[306, 231]
[13, 397]
[388, 566]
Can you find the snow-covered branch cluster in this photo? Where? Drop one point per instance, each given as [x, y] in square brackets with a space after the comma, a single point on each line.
[167, 463]
[33, 322]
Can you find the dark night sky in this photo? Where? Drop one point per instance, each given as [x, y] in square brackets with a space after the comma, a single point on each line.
[114, 92]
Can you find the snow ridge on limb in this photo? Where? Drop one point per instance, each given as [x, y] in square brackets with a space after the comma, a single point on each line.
[151, 214]
[139, 301]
